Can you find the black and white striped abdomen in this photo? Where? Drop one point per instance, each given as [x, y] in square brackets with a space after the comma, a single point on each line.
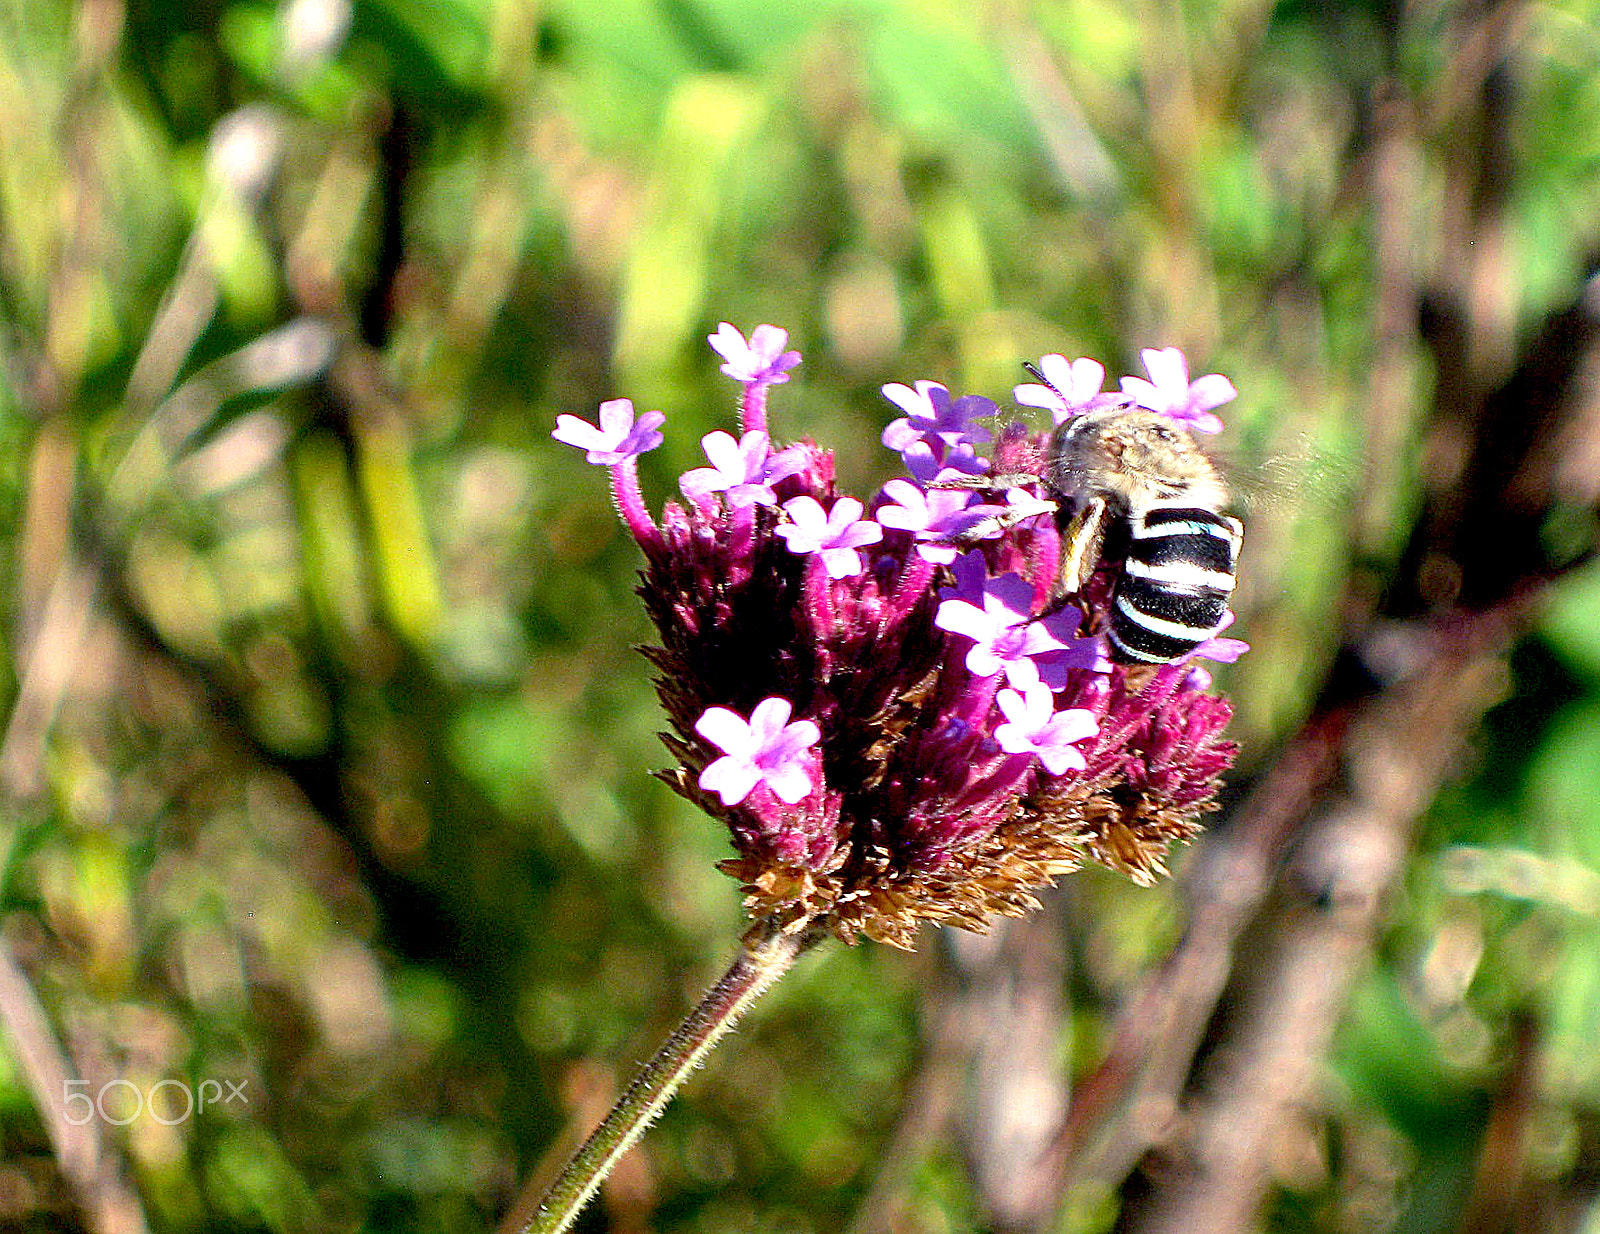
[1172, 592]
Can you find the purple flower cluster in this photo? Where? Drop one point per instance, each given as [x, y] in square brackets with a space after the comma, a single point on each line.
[957, 745]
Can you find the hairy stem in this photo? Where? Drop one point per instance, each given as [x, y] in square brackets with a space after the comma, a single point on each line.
[768, 953]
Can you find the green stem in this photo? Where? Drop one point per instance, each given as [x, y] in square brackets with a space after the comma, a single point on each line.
[767, 954]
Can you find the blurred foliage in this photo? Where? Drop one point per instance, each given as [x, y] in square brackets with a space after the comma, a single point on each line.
[327, 751]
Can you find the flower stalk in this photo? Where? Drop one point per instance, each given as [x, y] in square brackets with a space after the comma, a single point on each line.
[768, 952]
[880, 699]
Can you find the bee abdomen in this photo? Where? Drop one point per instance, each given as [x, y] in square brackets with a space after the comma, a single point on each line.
[1172, 593]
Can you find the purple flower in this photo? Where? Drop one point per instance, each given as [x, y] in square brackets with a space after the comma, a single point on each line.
[760, 361]
[1034, 726]
[745, 469]
[1004, 634]
[835, 534]
[618, 438]
[1071, 389]
[931, 415]
[970, 572]
[936, 517]
[1222, 650]
[1169, 390]
[765, 750]
[930, 463]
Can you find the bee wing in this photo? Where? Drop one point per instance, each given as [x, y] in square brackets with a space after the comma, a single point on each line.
[1306, 475]
[1005, 420]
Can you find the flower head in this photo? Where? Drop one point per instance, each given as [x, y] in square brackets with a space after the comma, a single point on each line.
[834, 535]
[1069, 389]
[619, 436]
[1169, 390]
[761, 361]
[745, 469]
[917, 736]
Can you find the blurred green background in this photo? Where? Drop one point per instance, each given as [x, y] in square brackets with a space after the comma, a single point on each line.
[326, 753]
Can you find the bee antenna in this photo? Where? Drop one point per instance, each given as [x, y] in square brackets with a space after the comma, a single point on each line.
[1033, 371]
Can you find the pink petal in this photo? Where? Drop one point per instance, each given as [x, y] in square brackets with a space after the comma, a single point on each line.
[573, 431]
[781, 465]
[1085, 378]
[616, 417]
[1013, 706]
[845, 511]
[842, 562]
[858, 535]
[1021, 672]
[1031, 394]
[700, 482]
[728, 731]
[1075, 724]
[767, 342]
[723, 452]
[916, 402]
[910, 509]
[768, 720]
[1212, 390]
[793, 741]
[807, 514]
[1144, 394]
[730, 778]
[728, 342]
[790, 782]
[1168, 368]
[1057, 371]
[1058, 760]
[752, 453]
[959, 617]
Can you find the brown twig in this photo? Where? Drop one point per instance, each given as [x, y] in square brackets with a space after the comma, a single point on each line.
[92, 1170]
[1315, 939]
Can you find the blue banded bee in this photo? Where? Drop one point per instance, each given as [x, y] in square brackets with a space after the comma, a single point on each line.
[1132, 487]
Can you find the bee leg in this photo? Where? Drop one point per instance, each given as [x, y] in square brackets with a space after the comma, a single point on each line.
[1081, 538]
[1007, 517]
[987, 483]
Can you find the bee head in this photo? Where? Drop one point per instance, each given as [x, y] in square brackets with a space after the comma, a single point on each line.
[1130, 457]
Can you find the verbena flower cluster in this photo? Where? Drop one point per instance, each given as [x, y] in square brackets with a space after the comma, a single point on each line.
[874, 697]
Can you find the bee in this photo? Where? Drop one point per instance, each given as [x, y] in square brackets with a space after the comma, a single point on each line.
[1132, 488]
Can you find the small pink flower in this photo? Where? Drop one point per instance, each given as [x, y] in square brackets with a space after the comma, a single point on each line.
[1070, 390]
[745, 469]
[1034, 726]
[835, 534]
[761, 361]
[1005, 636]
[936, 517]
[1169, 390]
[1221, 650]
[766, 749]
[619, 436]
[932, 415]
[929, 463]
